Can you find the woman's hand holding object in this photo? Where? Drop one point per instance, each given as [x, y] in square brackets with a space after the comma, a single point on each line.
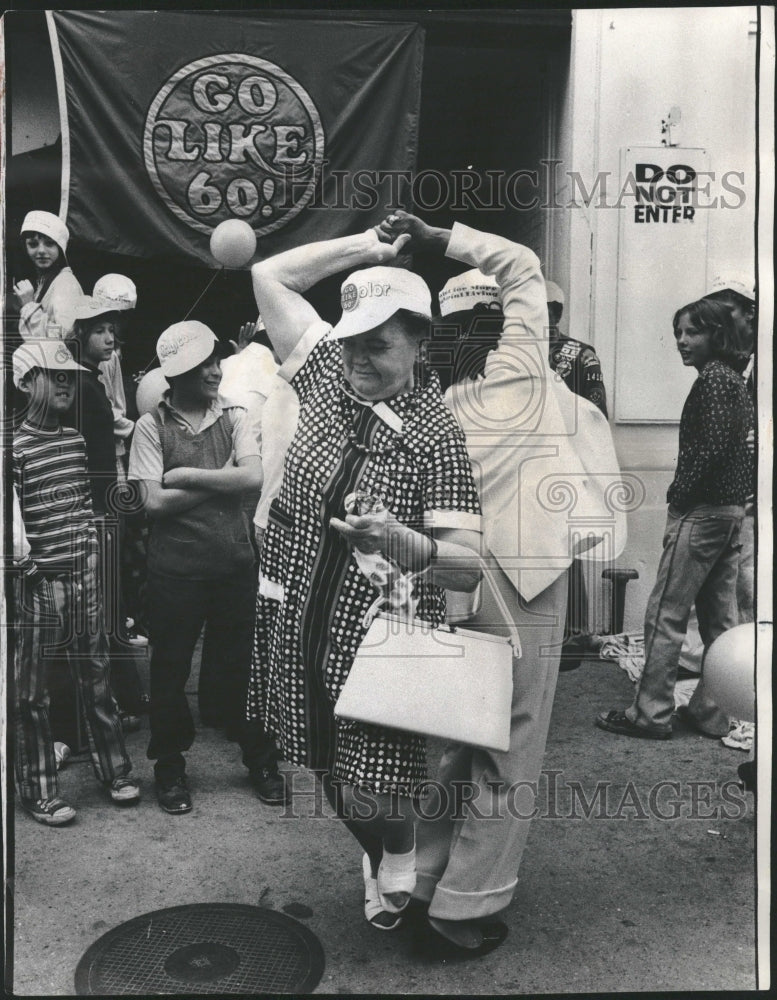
[366, 532]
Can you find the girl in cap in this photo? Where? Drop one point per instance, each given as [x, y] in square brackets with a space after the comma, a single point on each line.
[117, 294]
[366, 423]
[47, 306]
[95, 335]
[92, 341]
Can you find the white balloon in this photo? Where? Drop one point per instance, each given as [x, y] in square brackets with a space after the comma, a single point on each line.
[150, 389]
[233, 243]
[729, 672]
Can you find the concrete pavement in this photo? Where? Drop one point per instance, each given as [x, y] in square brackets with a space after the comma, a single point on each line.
[621, 900]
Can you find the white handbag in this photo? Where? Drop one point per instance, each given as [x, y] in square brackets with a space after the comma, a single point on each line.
[449, 682]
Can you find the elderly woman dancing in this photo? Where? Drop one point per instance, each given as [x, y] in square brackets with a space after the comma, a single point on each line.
[367, 423]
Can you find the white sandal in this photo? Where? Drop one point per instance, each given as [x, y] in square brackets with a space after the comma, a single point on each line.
[397, 873]
[380, 918]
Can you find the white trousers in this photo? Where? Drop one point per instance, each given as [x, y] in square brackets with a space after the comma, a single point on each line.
[469, 854]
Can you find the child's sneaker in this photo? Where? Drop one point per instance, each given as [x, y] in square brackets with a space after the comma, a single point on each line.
[124, 790]
[52, 812]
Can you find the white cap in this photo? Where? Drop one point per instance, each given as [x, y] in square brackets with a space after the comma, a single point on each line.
[50, 225]
[183, 346]
[118, 290]
[90, 308]
[372, 296]
[467, 290]
[51, 355]
[742, 284]
[553, 293]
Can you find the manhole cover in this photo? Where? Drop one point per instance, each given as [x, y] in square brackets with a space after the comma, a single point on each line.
[204, 948]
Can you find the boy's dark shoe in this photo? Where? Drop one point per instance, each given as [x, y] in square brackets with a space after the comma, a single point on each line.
[747, 776]
[618, 722]
[173, 795]
[270, 786]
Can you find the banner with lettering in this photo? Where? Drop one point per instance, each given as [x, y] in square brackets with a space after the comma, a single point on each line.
[174, 122]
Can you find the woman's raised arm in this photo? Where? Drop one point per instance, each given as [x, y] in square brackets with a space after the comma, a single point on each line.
[280, 281]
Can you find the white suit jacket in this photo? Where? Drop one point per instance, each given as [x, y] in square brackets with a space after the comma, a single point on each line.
[543, 457]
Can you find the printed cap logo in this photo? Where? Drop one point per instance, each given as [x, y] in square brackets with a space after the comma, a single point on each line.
[233, 137]
[349, 297]
[63, 355]
[174, 344]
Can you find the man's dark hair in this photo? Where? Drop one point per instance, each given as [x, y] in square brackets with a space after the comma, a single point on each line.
[461, 342]
[746, 306]
[731, 298]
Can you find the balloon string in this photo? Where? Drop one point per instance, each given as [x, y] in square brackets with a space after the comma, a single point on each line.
[202, 293]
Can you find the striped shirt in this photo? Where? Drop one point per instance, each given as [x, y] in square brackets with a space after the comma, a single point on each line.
[49, 470]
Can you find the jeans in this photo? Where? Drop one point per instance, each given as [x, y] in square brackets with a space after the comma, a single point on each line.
[746, 575]
[699, 564]
[178, 608]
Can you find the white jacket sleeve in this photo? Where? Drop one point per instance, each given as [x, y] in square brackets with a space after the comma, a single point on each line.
[517, 272]
[54, 315]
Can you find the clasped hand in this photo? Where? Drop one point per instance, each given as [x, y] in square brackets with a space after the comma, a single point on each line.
[402, 224]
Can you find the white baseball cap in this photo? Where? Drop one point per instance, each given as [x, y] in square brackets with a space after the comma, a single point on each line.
[51, 355]
[742, 284]
[183, 346]
[467, 290]
[372, 296]
[553, 293]
[116, 289]
[90, 308]
[48, 224]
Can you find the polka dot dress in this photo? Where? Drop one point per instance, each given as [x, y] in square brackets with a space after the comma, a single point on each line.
[313, 596]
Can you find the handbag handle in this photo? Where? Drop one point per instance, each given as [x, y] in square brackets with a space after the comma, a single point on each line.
[515, 638]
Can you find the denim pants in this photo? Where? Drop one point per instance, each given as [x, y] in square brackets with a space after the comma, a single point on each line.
[700, 563]
[178, 608]
[62, 619]
[693, 648]
[746, 575]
